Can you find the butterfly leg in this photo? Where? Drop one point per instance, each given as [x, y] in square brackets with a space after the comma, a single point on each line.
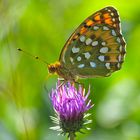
[48, 76]
[78, 83]
[62, 82]
[61, 79]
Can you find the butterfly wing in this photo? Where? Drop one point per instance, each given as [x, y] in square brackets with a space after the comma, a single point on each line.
[97, 47]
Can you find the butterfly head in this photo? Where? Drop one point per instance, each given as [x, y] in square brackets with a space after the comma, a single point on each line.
[53, 68]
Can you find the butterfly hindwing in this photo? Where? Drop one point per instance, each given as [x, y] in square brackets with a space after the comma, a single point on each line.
[97, 47]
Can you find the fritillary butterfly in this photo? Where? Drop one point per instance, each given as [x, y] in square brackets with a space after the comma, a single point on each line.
[95, 49]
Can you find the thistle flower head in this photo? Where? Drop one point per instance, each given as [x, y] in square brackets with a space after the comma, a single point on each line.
[70, 105]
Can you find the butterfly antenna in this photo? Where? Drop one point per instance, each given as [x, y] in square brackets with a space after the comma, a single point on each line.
[35, 57]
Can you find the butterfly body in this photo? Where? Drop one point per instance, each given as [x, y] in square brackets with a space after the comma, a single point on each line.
[62, 71]
[95, 49]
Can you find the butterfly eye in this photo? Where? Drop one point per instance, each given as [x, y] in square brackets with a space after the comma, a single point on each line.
[51, 68]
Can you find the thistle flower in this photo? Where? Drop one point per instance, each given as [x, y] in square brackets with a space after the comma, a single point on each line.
[70, 105]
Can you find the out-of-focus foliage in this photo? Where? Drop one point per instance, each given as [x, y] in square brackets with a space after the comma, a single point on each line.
[42, 28]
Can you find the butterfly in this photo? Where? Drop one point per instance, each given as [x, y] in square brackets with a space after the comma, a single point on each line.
[95, 49]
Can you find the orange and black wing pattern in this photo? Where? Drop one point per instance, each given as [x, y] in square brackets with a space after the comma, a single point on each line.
[97, 47]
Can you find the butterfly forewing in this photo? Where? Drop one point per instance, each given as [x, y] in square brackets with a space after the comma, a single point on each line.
[97, 47]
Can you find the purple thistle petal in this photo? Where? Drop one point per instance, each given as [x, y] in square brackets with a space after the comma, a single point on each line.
[87, 93]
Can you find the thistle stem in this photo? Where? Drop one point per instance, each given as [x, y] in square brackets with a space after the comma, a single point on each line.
[71, 136]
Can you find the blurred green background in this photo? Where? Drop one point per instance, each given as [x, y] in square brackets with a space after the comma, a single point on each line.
[42, 27]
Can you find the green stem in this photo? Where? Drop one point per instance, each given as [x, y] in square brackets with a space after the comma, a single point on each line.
[71, 136]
